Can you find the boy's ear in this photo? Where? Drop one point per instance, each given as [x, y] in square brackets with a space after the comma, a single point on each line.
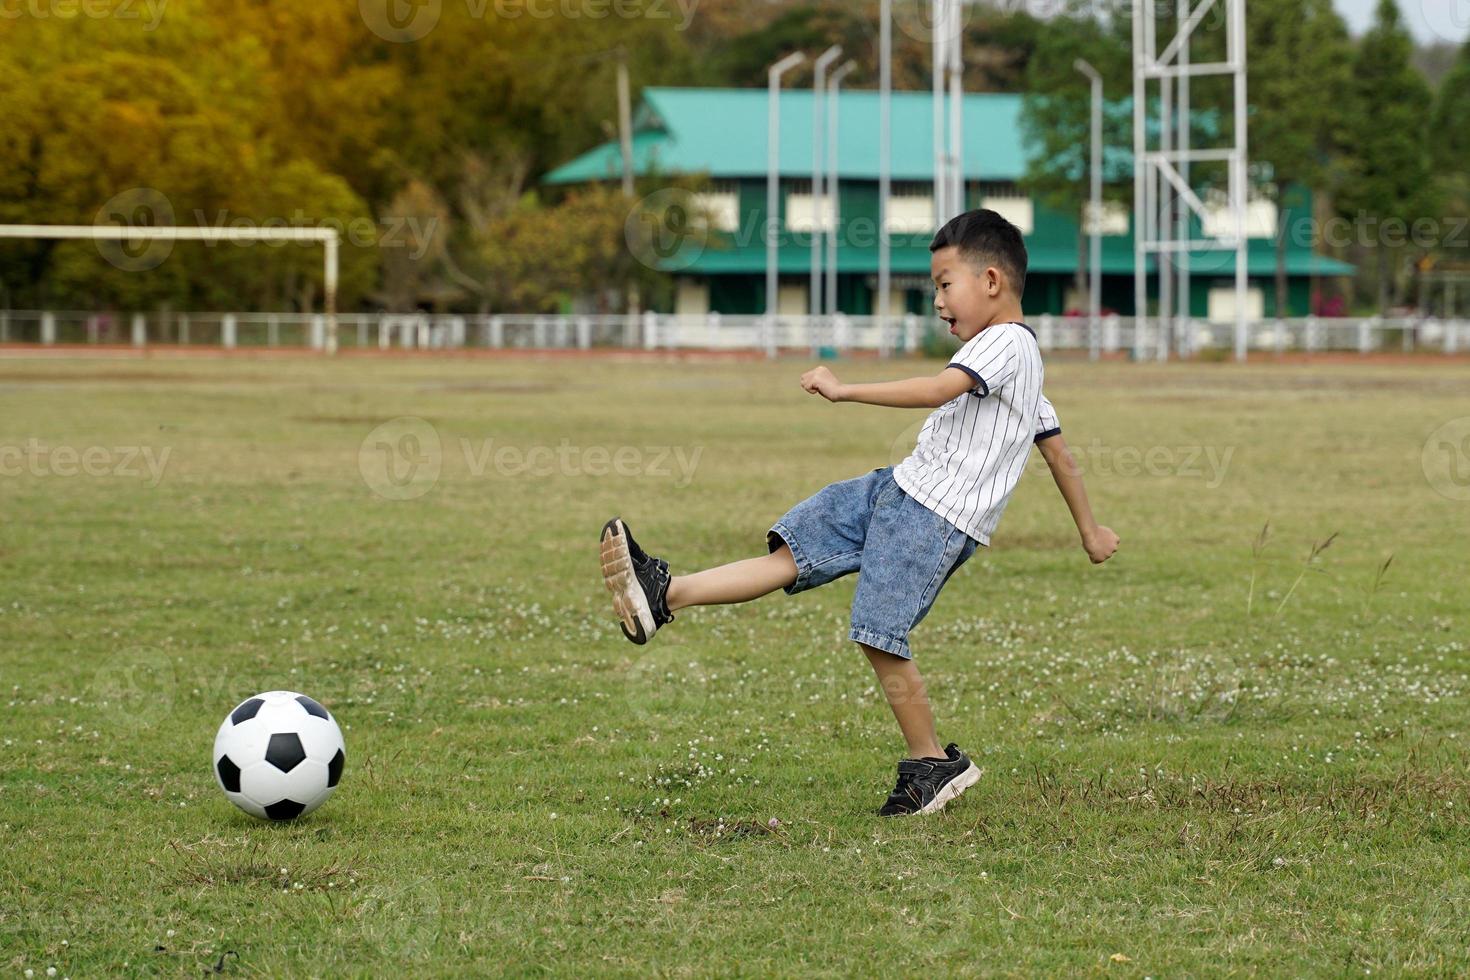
[994, 281]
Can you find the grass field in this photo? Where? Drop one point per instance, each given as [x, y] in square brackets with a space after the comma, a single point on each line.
[1172, 785]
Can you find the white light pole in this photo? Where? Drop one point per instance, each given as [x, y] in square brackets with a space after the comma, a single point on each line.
[833, 188]
[1094, 208]
[885, 99]
[773, 173]
[819, 68]
[949, 180]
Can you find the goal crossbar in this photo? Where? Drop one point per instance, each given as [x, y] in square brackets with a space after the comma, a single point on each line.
[329, 238]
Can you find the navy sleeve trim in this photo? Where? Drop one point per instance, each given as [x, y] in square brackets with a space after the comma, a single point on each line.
[1028, 328]
[985, 388]
[1047, 434]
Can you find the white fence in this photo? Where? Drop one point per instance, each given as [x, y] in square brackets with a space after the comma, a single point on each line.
[662, 331]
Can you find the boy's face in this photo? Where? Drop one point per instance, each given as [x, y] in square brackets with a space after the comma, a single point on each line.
[965, 297]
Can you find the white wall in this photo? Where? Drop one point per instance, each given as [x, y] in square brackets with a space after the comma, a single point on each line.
[791, 300]
[692, 296]
[1017, 210]
[1222, 304]
[801, 213]
[1113, 218]
[723, 209]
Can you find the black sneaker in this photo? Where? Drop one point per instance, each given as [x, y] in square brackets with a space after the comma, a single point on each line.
[926, 785]
[639, 583]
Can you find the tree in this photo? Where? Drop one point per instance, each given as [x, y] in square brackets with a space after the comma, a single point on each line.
[1387, 177]
[1056, 120]
[1298, 50]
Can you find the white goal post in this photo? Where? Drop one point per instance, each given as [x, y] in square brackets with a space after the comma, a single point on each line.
[327, 236]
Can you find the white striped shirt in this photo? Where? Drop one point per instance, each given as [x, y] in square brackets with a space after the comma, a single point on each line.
[972, 449]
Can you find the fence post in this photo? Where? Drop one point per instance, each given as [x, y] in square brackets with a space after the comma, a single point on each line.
[4, 326]
[183, 329]
[1313, 338]
[318, 331]
[584, 332]
[48, 328]
[1451, 336]
[841, 332]
[227, 335]
[1046, 339]
[139, 330]
[712, 329]
[910, 327]
[1364, 338]
[497, 331]
[563, 339]
[273, 331]
[768, 334]
[650, 330]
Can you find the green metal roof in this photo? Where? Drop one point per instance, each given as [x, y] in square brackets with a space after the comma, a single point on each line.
[724, 257]
[722, 132]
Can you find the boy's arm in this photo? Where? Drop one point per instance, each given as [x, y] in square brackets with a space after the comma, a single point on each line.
[1100, 542]
[925, 392]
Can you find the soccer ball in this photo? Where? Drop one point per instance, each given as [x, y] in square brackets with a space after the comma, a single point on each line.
[279, 755]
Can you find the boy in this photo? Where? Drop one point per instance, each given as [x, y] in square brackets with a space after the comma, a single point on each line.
[904, 528]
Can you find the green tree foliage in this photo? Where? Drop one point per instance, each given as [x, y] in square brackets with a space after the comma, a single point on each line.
[1057, 116]
[1386, 185]
[1449, 147]
[1298, 50]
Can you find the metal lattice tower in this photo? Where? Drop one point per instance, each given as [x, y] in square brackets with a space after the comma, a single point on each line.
[1163, 198]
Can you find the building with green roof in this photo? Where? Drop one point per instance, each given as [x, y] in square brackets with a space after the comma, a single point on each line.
[721, 134]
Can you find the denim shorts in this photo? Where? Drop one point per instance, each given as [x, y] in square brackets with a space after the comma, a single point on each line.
[903, 551]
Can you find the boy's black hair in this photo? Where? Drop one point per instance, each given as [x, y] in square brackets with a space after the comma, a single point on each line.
[985, 238]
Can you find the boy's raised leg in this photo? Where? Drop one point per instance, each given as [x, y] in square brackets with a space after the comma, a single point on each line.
[645, 594]
[739, 581]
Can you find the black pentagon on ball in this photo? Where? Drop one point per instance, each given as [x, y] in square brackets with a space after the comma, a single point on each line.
[334, 768]
[285, 751]
[312, 708]
[246, 711]
[229, 774]
[284, 809]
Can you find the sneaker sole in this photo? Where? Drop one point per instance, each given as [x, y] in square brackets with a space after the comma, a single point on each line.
[634, 616]
[953, 788]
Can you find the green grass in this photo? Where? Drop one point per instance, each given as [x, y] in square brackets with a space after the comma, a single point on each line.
[1172, 787]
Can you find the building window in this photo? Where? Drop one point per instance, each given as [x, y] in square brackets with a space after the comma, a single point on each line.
[1112, 218]
[910, 207]
[802, 212]
[1260, 216]
[1221, 307]
[721, 205]
[1007, 200]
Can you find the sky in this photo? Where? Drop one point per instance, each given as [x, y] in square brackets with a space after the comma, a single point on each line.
[1427, 20]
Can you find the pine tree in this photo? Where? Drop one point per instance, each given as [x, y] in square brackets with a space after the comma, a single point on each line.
[1387, 168]
[1297, 51]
